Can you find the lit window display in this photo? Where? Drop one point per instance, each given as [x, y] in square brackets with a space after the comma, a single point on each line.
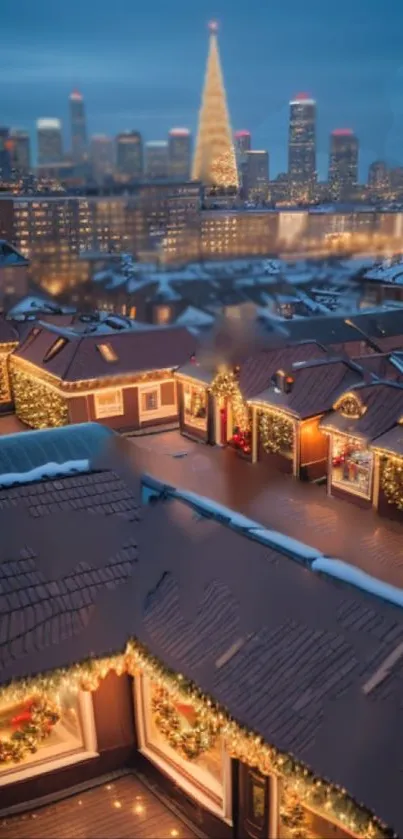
[184, 742]
[352, 465]
[297, 820]
[195, 406]
[37, 730]
[109, 403]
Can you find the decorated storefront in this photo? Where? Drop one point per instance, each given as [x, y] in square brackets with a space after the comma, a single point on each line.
[388, 456]
[48, 722]
[233, 419]
[352, 465]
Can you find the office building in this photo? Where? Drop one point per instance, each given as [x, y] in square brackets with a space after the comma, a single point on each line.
[129, 156]
[78, 128]
[50, 144]
[302, 148]
[20, 149]
[179, 154]
[343, 164]
[214, 161]
[379, 181]
[102, 157]
[156, 160]
[5, 155]
[256, 175]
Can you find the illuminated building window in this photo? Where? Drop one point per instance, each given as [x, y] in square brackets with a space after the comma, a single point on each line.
[109, 403]
[107, 352]
[163, 314]
[62, 733]
[158, 400]
[133, 311]
[55, 349]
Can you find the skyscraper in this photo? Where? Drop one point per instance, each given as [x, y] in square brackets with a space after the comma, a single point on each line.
[156, 163]
[129, 156]
[302, 148]
[78, 128]
[20, 151]
[343, 164]
[102, 157]
[243, 144]
[379, 179]
[5, 155]
[214, 161]
[50, 145]
[179, 154]
[256, 175]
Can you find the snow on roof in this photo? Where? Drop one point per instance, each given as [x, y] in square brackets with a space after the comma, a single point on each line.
[194, 317]
[34, 304]
[48, 470]
[389, 271]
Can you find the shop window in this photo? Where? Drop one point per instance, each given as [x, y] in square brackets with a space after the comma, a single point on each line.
[163, 315]
[38, 734]
[195, 406]
[182, 743]
[158, 400]
[352, 465]
[108, 403]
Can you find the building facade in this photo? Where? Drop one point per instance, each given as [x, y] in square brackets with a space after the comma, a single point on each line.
[302, 148]
[20, 151]
[343, 164]
[179, 154]
[101, 157]
[255, 183]
[78, 125]
[156, 160]
[129, 156]
[50, 143]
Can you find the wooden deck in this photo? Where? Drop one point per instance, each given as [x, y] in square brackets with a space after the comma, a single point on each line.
[122, 809]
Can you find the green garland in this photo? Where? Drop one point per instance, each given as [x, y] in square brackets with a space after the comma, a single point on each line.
[276, 433]
[392, 482]
[191, 742]
[33, 726]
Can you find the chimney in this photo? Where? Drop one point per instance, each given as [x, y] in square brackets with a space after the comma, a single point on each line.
[283, 381]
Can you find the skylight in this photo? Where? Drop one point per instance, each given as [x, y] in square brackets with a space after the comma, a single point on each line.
[107, 352]
[55, 348]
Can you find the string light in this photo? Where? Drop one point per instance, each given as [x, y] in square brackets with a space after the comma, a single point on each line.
[36, 404]
[225, 386]
[276, 432]
[241, 743]
[392, 481]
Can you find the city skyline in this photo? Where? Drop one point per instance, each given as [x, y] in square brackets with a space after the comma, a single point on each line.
[357, 88]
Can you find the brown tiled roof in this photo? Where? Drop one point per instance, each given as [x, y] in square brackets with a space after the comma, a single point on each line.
[230, 624]
[316, 387]
[180, 584]
[379, 364]
[256, 372]
[8, 334]
[80, 358]
[66, 544]
[384, 407]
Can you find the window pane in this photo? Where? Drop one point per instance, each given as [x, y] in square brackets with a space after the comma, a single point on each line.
[149, 400]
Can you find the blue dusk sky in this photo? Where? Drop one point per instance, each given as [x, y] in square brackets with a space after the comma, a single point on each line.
[141, 65]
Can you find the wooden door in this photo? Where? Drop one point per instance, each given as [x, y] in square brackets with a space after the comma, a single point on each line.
[254, 804]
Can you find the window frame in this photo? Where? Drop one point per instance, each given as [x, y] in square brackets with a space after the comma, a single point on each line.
[42, 765]
[176, 769]
[162, 410]
[346, 486]
[103, 413]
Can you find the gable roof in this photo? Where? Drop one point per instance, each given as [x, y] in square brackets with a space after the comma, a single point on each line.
[383, 402]
[81, 359]
[256, 372]
[34, 449]
[8, 335]
[183, 586]
[316, 386]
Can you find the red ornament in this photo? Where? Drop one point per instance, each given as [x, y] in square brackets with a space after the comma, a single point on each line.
[20, 719]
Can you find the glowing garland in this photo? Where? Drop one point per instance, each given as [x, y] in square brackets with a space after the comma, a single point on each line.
[241, 743]
[34, 724]
[392, 482]
[191, 742]
[5, 395]
[36, 404]
[293, 816]
[225, 386]
[276, 433]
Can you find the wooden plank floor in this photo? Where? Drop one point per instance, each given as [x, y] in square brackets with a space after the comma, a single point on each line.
[123, 809]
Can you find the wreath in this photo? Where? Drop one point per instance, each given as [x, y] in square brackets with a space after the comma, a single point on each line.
[33, 724]
[276, 433]
[189, 741]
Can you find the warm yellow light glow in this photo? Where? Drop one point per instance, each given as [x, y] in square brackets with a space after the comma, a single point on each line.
[117, 804]
[174, 832]
[139, 809]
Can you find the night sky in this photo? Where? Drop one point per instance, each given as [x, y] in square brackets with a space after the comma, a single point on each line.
[141, 65]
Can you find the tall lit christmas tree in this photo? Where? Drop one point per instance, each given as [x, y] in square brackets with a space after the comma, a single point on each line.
[214, 161]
